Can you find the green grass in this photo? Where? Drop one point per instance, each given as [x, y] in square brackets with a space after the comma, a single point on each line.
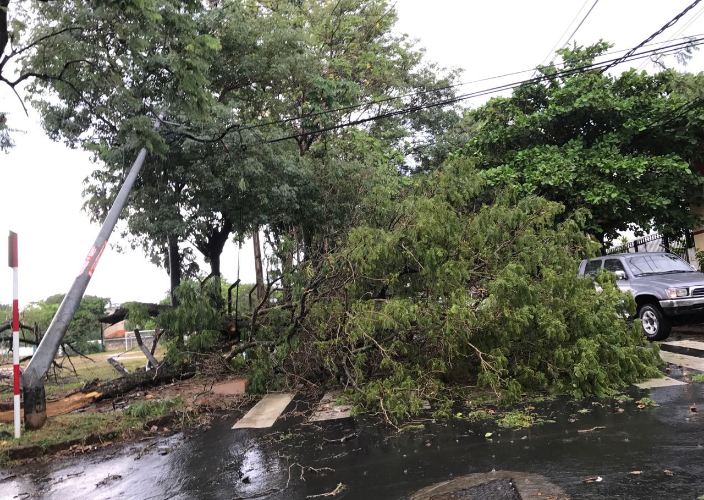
[698, 377]
[65, 428]
[73, 426]
[479, 415]
[623, 398]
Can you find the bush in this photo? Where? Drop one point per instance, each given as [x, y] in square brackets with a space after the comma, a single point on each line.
[194, 327]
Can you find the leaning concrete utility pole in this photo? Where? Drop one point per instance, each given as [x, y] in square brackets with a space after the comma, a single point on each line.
[33, 376]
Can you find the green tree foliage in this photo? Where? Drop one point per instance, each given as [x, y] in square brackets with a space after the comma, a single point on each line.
[13, 43]
[622, 147]
[100, 80]
[195, 326]
[455, 283]
[84, 327]
[399, 286]
[236, 65]
[5, 312]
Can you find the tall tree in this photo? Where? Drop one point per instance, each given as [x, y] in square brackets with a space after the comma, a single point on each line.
[295, 63]
[104, 73]
[622, 147]
[315, 62]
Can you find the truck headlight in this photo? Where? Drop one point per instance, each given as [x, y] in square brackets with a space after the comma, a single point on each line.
[675, 293]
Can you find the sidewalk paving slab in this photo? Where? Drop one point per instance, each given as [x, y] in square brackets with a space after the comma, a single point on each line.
[692, 362]
[328, 410]
[659, 382]
[263, 414]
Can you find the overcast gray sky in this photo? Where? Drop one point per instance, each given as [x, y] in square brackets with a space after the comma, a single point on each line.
[42, 180]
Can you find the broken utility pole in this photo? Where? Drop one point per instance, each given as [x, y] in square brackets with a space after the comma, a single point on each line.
[33, 377]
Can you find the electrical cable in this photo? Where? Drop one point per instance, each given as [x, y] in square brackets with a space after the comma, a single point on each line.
[410, 109]
[559, 40]
[680, 31]
[447, 102]
[665, 27]
[580, 23]
[634, 56]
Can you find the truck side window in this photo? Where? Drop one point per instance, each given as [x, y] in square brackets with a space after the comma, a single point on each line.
[592, 268]
[613, 265]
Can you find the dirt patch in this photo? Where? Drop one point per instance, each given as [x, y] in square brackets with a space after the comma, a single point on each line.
[233, 387]
[35, 450]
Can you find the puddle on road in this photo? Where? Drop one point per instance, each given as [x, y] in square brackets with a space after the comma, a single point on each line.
[293, 459]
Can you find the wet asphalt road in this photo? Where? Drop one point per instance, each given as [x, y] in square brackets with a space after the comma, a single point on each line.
[293, 460]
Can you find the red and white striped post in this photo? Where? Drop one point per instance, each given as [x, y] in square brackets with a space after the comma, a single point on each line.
[13, 263]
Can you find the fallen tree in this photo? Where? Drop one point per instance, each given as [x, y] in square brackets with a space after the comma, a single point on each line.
[452, 286]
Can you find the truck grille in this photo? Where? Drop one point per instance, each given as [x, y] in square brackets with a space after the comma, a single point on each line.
[698, 292]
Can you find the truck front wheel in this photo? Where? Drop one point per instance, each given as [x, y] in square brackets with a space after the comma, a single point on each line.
[656, 326]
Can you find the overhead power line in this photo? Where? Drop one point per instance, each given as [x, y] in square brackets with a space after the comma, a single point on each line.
[569, 39]
[680, 31]
[689, 23]
[673, 115]
[665, 27]
[559, 40]
[675, 47]
[447, 102]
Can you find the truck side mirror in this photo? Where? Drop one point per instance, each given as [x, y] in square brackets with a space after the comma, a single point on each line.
[621, 275]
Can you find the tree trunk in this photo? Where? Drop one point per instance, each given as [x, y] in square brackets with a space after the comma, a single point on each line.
[119, 386]
[287, 268]
[258, 270]
[211, 247]
[174, 267]
[4, 35]
[118, 366]
[215, 263]
[151, 360]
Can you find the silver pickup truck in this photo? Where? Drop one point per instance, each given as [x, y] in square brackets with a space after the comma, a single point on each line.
[666, 289]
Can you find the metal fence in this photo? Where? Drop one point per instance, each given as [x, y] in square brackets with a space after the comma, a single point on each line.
[682, 246]
[129, 341]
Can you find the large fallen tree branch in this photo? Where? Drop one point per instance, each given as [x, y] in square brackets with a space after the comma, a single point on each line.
[122, 313]
[151, 360]
[119, 367]
[137, 379]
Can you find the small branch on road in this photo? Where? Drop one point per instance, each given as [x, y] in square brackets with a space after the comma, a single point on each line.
[339, 489]
[304, 468]
[597, 428]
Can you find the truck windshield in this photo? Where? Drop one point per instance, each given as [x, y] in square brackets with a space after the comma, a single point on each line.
[644, 265]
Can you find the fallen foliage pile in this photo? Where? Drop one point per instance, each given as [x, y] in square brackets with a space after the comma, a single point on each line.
[451, 285]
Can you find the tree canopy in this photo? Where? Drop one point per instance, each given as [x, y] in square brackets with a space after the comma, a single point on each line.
[84, 327]
[259, 71]
[624, 147]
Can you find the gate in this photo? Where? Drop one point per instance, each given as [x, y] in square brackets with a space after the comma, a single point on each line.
[682, 246]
